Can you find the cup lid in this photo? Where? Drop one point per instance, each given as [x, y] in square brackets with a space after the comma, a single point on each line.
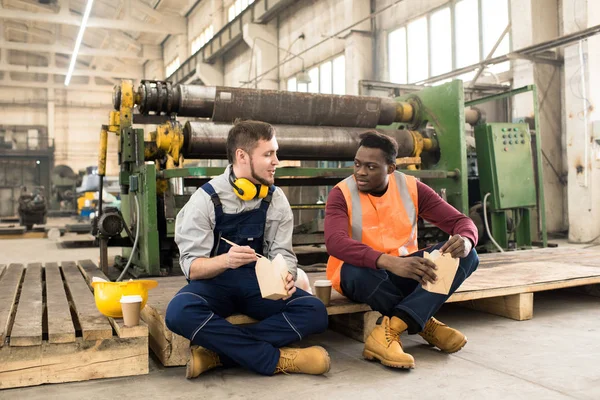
[323, 282]
[131, 299]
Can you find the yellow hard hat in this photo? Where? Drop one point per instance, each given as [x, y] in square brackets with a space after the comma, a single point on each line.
[108, 294]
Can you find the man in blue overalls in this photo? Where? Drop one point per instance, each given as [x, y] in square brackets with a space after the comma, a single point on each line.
[244, 207]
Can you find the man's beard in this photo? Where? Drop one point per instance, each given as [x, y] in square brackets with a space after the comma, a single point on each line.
[255, 176]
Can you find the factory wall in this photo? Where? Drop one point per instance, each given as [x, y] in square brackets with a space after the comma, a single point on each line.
[76, 117]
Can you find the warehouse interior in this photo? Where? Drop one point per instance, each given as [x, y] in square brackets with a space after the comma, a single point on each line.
[114, 113]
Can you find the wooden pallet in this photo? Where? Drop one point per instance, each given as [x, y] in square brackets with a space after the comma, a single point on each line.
[51, 331]
[503, 285]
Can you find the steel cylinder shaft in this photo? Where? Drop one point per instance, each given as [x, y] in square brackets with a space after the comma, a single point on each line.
[225, 104]
[207, 140]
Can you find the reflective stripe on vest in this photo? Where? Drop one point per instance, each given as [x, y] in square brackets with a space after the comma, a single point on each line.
[387, 223]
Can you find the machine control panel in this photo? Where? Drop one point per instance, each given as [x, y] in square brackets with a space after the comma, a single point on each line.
[505, 163]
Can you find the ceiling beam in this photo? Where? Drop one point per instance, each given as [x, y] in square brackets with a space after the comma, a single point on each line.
[45, 85]
[157, 15]
[66, 18]
[129, 73]
[84, 51]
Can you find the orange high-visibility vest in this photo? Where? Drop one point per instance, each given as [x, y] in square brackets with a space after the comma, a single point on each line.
[387, 223]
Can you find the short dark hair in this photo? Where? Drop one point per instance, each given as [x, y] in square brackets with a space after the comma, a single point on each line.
[375, 140]
[245, 135]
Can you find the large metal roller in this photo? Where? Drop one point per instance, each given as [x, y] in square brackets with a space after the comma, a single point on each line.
[207, 140]
[225, 104]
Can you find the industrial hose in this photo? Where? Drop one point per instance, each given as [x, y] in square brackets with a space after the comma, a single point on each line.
[137, 236]
[487, 226]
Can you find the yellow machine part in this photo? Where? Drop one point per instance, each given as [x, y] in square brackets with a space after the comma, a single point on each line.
[404, 112]
[103, 150]
[169, 138]
[81, 200]
[127, 99]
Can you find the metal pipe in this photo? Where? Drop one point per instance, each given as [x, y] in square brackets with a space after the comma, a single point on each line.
[473, 116]
[207, 140]
[225, 104]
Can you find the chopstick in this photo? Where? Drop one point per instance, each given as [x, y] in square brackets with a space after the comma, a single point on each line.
[235, 244]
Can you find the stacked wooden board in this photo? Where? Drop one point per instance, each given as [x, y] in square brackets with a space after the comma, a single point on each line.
[51, 331]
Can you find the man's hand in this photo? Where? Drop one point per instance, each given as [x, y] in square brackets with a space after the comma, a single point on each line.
[289, 286]
[417, 268]
[240, 255]
[458, 246]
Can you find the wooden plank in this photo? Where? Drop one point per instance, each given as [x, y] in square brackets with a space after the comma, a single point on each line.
[93, 324]
[60, 324]
[169, 348]
[357, 326]
[2, 268]
[26, 235]
[90, 270]
[70, 362]
[128, 331]
[9, 288]
[526, 277]
[27, 328]
[517, 306]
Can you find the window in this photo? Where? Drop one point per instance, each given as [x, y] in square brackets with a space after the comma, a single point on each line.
[236, 8]
[441, 41]
[418, 54]
[423, 47]
[202, 39]
[397, 56]
[327, 78]
[339, 75]
[172, 67]
[467, 33]
[494, 21]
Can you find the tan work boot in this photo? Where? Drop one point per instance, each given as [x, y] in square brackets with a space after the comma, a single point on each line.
[312, 360]
[384, 344]
[201, 360]
[443, 337]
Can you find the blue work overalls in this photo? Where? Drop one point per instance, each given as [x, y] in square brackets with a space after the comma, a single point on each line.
[199, 310]
[393, 295]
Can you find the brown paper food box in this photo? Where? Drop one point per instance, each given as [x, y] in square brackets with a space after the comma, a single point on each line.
[447, 267]
[271, 277]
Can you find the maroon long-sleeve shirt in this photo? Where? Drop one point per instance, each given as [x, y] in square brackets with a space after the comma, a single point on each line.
[432, 208]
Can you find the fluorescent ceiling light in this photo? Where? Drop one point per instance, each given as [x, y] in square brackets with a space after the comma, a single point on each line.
[86, 16]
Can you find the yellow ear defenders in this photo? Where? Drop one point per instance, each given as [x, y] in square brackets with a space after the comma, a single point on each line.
[246, 190]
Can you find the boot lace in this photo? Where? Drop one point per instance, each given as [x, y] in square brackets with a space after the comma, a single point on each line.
[286, 363]
[392, 335]
[430, 328]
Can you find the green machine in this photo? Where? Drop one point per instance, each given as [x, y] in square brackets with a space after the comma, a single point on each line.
[429, 127]
[505, 162]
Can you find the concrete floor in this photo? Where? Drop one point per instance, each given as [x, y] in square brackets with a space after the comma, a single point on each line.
[553, 356]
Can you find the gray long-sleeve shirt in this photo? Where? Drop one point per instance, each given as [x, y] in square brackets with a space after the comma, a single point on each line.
[196, 221]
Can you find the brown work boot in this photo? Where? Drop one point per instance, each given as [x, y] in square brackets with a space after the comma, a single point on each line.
[384, 344]
[442, 336]
[312, 360]
[201, 360]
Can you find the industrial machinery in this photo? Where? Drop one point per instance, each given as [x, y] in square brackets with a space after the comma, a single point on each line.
[32, 207]
[429, 127]
[64, 191]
